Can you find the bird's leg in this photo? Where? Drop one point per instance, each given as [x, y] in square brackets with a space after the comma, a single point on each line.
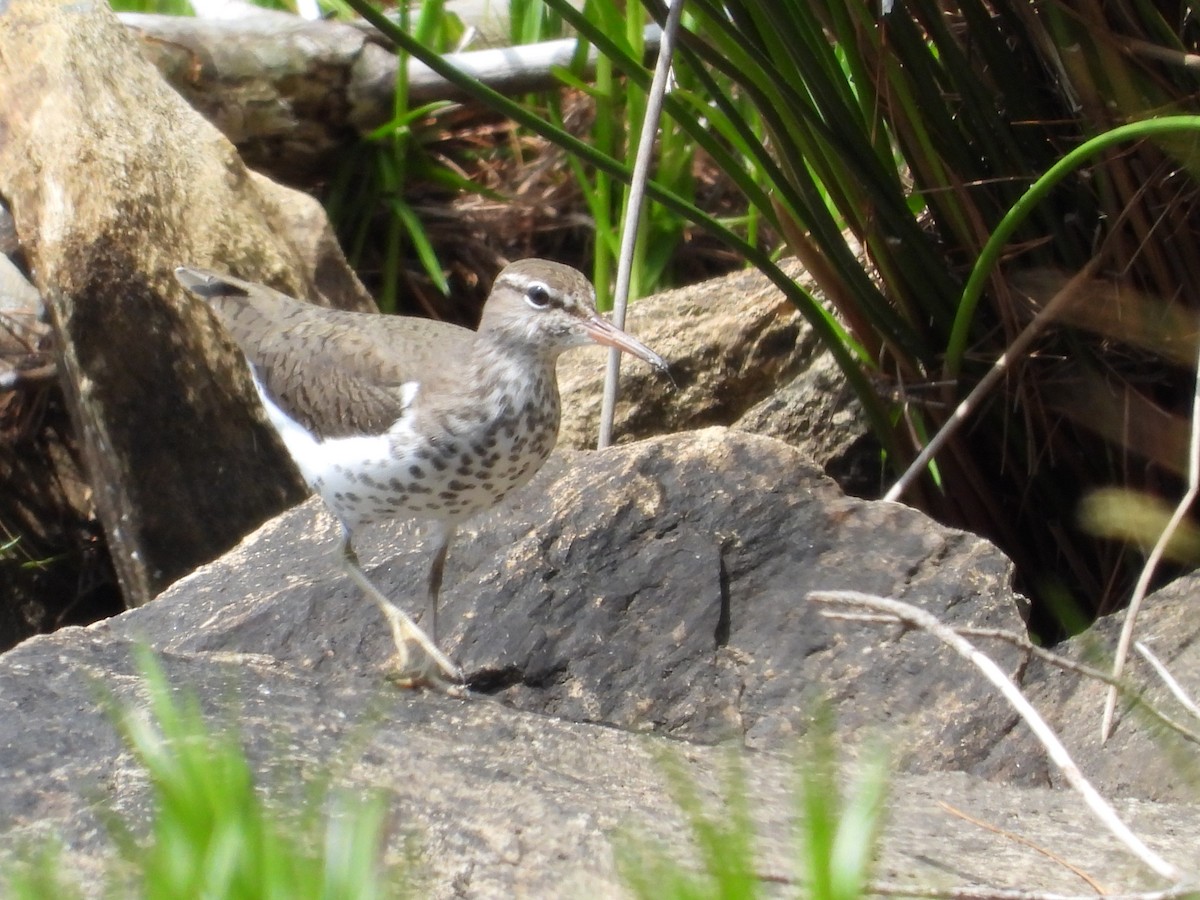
[444, 535]
[403, 628]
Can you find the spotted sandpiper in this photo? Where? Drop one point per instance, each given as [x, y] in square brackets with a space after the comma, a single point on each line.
[389, 417]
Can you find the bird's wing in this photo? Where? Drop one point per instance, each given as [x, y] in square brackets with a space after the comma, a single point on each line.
[335, 372]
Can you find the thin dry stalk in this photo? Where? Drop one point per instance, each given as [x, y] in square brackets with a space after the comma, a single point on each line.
[1016, 350]
[1168, 679]
[1058, 754]
[633, 210]
[1143, 582]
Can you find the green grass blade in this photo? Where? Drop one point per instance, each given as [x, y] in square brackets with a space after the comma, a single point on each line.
[990, 255]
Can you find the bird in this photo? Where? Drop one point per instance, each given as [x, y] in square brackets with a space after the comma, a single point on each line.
[393, 417]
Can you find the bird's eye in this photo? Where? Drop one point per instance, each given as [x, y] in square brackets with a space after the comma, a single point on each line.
[537, 296]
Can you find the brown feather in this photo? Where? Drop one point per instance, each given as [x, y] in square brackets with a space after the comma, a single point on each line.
[337, 373]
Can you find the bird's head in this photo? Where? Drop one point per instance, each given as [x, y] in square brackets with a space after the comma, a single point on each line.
[547, 307]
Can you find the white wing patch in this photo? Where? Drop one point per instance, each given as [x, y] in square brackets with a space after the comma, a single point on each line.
[408, 396]
[318, 460]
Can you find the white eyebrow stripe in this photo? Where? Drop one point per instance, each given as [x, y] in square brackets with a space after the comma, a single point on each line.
[525, 282]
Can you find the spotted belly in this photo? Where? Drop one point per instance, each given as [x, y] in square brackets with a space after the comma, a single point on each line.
[447, 467]
[370, 479]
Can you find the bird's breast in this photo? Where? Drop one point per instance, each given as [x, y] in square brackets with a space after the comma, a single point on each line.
[444, 461]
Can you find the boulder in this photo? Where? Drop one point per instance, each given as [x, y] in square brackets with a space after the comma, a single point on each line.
[740, 355]
[657, 588]
[113, 181]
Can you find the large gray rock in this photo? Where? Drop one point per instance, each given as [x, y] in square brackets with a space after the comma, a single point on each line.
[113, 181]
[731, 341]
[658, 587]
[740, 355]
[501, 803]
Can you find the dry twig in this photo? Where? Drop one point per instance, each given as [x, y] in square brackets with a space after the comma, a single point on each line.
[1058, 754]
[1016, 350]
[1143, 582]
[633, 209]
[1173, 686]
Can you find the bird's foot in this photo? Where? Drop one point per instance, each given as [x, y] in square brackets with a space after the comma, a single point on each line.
[431, 676]
[418, 661]
[434, 668]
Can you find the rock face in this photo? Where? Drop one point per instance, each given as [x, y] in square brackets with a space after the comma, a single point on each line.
[113, 181]
[1142, 757]
[656, 587]
[732, 342]
[740, 355]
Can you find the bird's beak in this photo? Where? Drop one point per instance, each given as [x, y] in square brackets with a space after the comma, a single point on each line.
[604, 332]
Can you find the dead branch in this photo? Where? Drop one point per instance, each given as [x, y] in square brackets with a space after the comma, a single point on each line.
[1143, 582]
[1058, 754]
